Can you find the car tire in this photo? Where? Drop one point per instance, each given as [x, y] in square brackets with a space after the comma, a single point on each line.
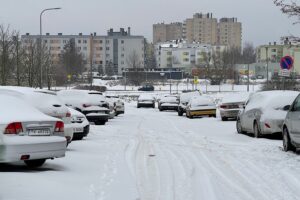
[153, 106]
[224, 118]
[100, 122]
[160, 109]
[286, 140]
[34, 163]
[180, 113]
[239, 128]
[138, 106]
[256, 130]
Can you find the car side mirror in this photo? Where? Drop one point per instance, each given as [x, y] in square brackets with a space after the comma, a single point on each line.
[286, 108]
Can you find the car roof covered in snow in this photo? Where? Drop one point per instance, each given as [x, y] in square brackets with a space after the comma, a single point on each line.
[201, 101]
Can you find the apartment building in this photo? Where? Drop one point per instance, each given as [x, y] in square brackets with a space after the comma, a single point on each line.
[201, 28]
[230, 32]
[184, 55]
[165, 32]
[108, 54]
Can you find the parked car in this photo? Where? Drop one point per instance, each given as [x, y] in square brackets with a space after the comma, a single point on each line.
[265, 112]
[118, 104]
[232, 104]
[184, 100]
[28, 135]
[146, 87]
[145, 100]
[291, 126]
[168, 103]
[80, 124]
[201, 106]
[90, 103]
[45, 101]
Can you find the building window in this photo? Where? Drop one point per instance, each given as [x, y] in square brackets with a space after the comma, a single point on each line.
[101, 48]
[274, 50]
[186, 53]
[122, 62]
[107, 41]
[122, 55]
[107, 55]
[122, 41]
[100, 41]
[107, 48]
[64, 41]
[79, 41]
[186, 60]
[84, 48]
[101, 62]
[84, 41]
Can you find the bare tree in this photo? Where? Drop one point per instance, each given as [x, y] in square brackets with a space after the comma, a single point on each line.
[6, 47]
[291, 8]
[134, 63]
[31, 63]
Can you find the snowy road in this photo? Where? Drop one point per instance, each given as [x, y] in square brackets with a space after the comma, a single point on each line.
[151, 155]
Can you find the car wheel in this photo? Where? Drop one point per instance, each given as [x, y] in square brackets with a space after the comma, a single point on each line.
[153, 106]
[287, 145]
[239, 126]
[160, 109]
[100, 122]
[180, 113]
[138, 106]
[34, 163]
[256, 130]
[224, 118]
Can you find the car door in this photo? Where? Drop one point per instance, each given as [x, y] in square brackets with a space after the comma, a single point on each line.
[247, 116]
[293, 118]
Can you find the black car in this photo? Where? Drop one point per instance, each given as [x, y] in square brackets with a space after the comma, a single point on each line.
[146, 88]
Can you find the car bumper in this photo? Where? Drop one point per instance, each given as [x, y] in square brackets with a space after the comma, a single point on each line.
[230, 113]
[82, 133]
[169, 107]
[202, 112]
[38, 147]
[94, 117]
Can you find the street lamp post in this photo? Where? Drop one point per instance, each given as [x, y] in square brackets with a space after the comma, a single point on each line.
[267, 57]
[40, 44]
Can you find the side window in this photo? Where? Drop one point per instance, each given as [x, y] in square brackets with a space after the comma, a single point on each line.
[296, 104]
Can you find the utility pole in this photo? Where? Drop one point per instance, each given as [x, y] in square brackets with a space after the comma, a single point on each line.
[91, 60]
[267, 57]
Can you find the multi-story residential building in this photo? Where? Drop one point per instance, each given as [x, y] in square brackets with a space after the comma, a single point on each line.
[201, 28]
[165, 32]
[108, 53]
[272, 53]
[230, 32]
[184, 55]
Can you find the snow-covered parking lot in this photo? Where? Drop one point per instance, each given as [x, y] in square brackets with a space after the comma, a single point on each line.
[151, 155]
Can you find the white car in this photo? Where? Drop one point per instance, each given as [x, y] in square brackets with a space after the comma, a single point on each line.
[232, 104]
[28, 135]
[90, 103]
[45, 101]
[117, 102]
[184, 100]
[80, 124]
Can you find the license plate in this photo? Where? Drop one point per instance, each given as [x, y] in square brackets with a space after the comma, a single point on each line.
[77, 130]
[38, 132]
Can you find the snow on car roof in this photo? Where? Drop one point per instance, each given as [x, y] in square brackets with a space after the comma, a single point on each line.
[14, 109]
[201, 100]
[236, 97]
[169, 99]
[271, 99]
[186, 96]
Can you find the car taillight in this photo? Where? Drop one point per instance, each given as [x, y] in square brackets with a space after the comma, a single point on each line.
[68, 114]
[14, 128]
[267, 125]
[223, 106]
[86, 105]
[59, 127]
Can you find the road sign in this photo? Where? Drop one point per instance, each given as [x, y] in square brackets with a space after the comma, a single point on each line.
[284, 73]
[286, 62]
[196, 80]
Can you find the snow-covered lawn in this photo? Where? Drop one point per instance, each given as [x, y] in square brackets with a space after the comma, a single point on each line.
[151, 155]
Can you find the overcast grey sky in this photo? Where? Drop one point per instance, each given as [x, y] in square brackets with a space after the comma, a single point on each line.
[262, 21]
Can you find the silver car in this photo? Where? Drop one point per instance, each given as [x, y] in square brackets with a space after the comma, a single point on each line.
[291, 126]
[265, 112]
